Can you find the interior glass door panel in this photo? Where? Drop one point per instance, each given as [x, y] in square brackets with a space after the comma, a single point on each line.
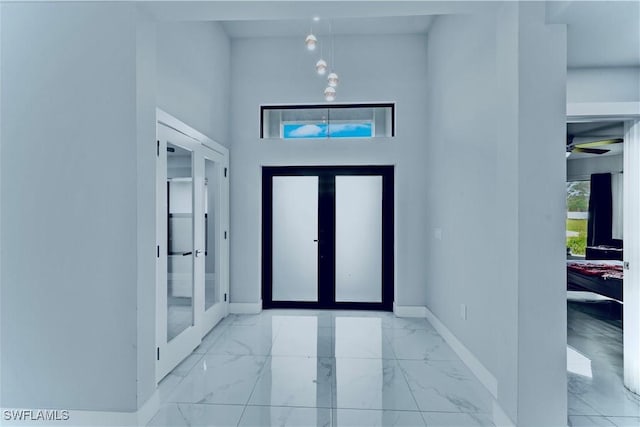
[215, 243]
[295, 238]
[180, 240]
[358, 232]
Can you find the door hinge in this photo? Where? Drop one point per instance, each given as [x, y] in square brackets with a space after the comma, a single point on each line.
[158, 352]
[225, 297]
[158, 251]
[158, 148]
[225, 172]
[626, 265]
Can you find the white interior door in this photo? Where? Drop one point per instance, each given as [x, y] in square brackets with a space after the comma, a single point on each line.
[192, 224]
[177, 294]
[216, 244]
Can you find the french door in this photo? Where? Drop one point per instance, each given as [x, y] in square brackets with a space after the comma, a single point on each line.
[192, 250]
[328, 237]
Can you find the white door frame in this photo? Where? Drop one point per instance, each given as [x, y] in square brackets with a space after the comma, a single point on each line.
[631, 230]
[629, 113]
[218, 311]
[169, 354]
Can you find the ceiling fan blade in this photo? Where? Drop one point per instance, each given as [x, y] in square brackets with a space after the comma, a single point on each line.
[600, 143]
[589, 150]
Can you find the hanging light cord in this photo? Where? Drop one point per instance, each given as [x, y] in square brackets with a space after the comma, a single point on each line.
[332, 45]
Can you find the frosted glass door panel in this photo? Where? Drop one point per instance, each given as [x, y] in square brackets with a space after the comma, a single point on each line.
[295, 231]
[359, 238]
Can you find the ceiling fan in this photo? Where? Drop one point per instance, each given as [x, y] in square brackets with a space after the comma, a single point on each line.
[589, 147]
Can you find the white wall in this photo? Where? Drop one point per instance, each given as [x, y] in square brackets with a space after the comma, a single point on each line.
[146, 205]
[464, 166]
[78, 110]
[193, 82]
[372, 68]
[612, 84]
[542, 317]
[492, 80]
[69, 206]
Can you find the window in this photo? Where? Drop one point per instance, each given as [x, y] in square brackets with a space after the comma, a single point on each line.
[577, 213]
[298, 130]
[338, 121]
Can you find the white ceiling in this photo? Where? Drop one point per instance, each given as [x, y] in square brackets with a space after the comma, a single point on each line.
[599, 33]
[340, 26]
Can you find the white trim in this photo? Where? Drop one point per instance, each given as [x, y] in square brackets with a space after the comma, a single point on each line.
[631, 282]
[176, 124]
[245, 307]
[409, 310]
[500, 418]
[97, 418]
[483, 374]
[589, 110]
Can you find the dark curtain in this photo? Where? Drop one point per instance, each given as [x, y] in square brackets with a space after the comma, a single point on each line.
[599, 223]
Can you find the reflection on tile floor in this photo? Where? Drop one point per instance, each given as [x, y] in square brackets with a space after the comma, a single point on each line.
[322, 368]
[596, 392]
[336, 368]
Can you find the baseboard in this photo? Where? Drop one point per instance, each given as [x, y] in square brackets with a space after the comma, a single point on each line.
[486, 378]
[409, 310]
[500, 418]
[84, 418]
[245, 307]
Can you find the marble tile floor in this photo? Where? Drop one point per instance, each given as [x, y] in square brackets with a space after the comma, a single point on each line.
[179, 318]
[596, 393]
[322, 368]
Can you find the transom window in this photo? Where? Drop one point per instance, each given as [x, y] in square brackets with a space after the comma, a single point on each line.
[338, 121]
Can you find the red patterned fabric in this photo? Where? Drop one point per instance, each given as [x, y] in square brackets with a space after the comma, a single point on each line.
[606, 271]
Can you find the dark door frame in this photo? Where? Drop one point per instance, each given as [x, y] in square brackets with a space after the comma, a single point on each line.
[326, 235]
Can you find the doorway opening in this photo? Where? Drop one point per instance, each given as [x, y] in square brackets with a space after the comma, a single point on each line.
[598, 278]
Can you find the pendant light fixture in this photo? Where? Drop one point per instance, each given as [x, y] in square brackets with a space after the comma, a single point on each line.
[330, 94]
[332, 78]
[311, 41]
[321, 66]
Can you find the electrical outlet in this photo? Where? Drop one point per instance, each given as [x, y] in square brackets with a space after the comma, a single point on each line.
[463, 311]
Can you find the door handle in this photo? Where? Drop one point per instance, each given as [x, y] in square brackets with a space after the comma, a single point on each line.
[199, 252]
[315, 240]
